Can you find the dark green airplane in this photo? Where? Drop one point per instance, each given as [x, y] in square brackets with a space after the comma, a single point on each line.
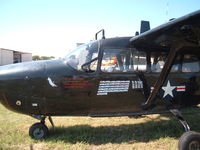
[155, 71]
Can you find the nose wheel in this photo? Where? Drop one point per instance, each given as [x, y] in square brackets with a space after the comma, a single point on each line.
[38, 131]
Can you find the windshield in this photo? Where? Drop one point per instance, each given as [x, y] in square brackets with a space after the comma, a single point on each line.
[82, 54]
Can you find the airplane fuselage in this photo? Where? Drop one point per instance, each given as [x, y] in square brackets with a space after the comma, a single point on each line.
[119, 79]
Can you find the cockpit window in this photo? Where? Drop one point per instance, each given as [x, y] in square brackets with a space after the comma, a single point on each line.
[83, 54]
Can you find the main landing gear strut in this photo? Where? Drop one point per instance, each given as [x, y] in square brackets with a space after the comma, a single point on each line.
[39, 130]
[189, 140]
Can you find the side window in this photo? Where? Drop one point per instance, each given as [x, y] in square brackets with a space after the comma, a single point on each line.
[190, 63]
[158, 61]
[115, 60]
[123, 60]
[139, 60]
[177, 64]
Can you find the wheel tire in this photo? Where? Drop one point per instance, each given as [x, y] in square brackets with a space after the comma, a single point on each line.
[38, 131]
[189, 141]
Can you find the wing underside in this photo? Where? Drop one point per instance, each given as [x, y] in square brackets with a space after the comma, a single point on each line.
[183, 29]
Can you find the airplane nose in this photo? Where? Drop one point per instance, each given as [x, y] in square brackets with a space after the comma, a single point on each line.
[12, 75]
[14, 81]
[8, 72]
[22, 70]
[9, 76]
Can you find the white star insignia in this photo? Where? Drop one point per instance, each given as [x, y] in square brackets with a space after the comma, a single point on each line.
[168, 90]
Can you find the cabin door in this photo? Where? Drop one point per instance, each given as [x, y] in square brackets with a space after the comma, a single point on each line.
[119, 89]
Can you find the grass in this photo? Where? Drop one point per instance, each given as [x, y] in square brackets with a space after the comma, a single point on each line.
[151, 132]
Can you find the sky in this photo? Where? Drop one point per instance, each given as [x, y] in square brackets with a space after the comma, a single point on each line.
[53, 27]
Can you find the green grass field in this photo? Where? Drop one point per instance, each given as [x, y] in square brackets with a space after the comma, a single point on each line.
[151, 132]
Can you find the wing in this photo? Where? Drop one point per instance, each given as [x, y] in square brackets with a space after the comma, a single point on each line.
[186, 28]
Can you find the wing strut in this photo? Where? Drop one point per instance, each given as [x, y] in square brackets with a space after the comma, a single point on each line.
[164, 73]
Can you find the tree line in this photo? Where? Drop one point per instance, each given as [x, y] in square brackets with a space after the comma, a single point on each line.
[37, 57]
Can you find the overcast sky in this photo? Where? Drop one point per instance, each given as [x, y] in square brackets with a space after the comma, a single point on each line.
[52, 27]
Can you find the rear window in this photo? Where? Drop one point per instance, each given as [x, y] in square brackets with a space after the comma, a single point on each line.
[190, 63]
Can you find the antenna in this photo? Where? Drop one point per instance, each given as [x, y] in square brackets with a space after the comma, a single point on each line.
[145, 26]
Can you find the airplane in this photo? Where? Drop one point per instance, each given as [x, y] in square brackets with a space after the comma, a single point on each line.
[156, 71]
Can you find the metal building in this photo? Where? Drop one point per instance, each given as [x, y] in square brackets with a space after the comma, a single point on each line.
[8, 56]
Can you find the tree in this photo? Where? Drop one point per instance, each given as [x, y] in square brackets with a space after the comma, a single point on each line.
[37, 57]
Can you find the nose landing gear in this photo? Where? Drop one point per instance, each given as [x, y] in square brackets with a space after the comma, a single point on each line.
[40, 130]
